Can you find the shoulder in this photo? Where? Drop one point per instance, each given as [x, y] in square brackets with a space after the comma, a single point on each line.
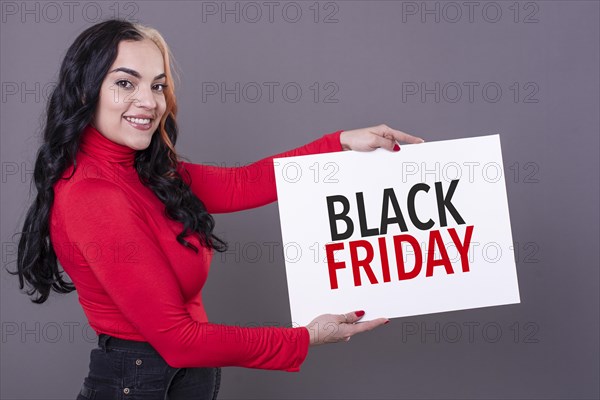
[89, 206]
[187, 170]
[91, 187]
[94, 193]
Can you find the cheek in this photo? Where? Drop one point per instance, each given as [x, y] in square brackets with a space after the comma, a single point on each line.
[161, 105]
[112, 100]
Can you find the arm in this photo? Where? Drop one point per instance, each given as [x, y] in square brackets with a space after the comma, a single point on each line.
[147, 293]
[240, 188]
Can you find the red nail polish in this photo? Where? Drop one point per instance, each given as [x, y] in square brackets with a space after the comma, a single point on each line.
[360, 313]
[396, 147]
[386, 322]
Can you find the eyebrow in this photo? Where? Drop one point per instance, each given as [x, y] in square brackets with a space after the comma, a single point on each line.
[134, 72]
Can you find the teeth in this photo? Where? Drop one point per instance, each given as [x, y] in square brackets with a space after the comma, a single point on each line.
[141, 121]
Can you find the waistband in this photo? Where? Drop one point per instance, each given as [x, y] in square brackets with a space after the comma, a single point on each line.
[111, 342]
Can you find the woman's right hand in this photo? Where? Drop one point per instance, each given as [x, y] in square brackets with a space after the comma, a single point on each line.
[333, 328]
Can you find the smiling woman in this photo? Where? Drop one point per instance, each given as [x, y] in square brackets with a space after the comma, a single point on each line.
[135, 82]
[131, 225]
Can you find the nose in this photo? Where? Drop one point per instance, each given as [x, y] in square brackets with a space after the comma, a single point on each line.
[144, 98]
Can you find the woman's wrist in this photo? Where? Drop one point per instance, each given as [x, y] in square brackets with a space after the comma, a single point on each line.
[311, 339]
[344, 140]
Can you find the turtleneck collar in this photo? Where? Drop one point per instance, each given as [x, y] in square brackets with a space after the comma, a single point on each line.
[98, 146]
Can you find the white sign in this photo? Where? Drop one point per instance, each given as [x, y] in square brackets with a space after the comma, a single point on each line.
[419, 231]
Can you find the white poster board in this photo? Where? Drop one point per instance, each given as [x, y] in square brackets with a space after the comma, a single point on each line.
[447, 195]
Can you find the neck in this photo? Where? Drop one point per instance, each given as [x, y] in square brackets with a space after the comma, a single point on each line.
[98, 146]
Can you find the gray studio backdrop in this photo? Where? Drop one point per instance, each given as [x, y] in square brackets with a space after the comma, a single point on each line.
[258, 78]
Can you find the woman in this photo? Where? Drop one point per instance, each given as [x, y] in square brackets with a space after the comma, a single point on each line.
[131, 225]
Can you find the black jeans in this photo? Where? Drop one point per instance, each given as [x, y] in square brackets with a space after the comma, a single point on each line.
[127, 370]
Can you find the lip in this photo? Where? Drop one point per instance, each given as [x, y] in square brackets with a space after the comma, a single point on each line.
[141, 127]
[140, 116]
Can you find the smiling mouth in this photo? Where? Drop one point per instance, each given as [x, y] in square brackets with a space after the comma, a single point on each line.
[139, 121]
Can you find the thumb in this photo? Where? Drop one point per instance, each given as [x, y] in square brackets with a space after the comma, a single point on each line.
[354, 316]
[384, 143]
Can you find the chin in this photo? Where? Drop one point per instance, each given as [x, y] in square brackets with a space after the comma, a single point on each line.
[140, 146]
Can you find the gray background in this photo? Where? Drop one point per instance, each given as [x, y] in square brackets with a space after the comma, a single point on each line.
[546, 347]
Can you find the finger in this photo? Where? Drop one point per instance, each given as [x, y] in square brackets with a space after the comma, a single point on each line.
[402, 136]
[406, 138]
[367, 326]
[355, 316]
[380, 141]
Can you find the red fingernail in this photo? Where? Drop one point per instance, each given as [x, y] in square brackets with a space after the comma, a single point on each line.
[396, 147]
[360, 313]
[386, 322]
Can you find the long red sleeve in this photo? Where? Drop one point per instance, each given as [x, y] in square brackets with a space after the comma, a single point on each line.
[135, 281]
[233, 189]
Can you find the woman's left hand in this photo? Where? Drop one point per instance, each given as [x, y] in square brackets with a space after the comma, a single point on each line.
[368, 139]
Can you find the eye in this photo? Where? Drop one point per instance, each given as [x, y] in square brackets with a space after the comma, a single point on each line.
[124, 83]
[160, 87]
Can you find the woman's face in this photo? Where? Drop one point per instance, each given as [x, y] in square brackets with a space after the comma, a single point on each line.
[131, 101]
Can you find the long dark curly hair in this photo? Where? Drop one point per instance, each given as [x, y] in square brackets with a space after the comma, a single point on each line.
[70, 108]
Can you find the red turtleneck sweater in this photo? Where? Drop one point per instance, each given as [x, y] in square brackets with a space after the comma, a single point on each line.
[136, 282]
